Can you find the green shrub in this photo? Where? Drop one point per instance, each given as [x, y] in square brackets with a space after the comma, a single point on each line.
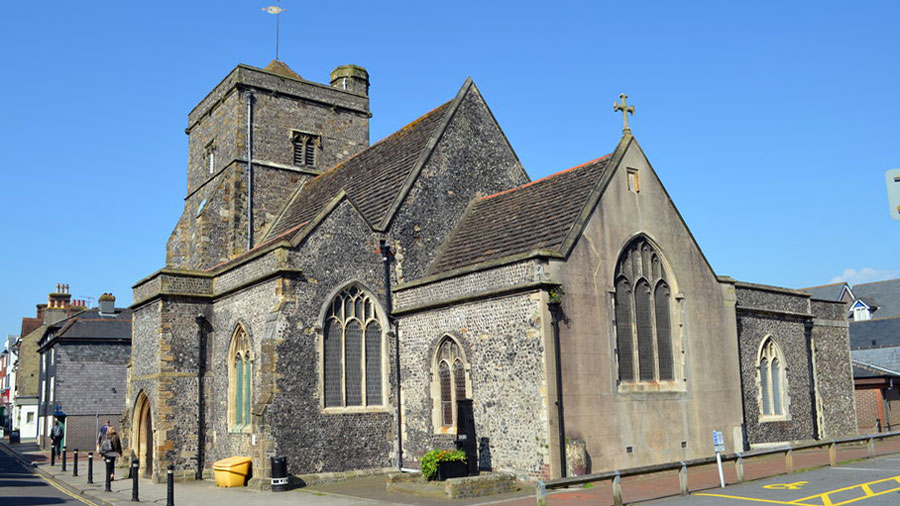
[431, 460]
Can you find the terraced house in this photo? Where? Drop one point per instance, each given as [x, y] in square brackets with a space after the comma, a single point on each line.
[331, 300]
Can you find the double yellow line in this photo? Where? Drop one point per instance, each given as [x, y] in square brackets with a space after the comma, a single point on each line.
[53, 483]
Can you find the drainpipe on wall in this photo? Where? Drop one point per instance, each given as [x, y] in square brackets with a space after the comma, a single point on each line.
[556, 312]
[249, 96]
[813, 387]
[201, 399]
[388, 302]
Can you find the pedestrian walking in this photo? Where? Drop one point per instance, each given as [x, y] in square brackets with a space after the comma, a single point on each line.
[56, 436]
[111, 448]
[102, 434]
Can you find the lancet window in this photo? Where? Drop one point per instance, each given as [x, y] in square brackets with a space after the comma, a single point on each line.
[772, 383]
[451, 382]
[240, 374]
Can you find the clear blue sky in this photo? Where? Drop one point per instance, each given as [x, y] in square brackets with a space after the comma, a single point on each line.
[771, 124]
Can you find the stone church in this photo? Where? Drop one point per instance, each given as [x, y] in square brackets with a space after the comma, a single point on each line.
[330, 300]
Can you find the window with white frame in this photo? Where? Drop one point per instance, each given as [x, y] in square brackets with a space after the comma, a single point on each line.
[353, 352]
[773, 389]
[861, 313]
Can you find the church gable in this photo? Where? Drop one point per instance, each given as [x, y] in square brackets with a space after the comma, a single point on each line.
[471, 158]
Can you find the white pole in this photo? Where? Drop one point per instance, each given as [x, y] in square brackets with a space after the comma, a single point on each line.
[719, 464]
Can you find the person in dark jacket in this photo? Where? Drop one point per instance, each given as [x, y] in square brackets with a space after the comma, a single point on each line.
[111, 448]
[56, 436]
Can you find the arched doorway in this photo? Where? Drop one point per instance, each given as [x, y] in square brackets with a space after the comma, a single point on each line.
[142, 435]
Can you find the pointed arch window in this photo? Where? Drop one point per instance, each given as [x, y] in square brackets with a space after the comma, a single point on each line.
[643, 326]
[451, 383]
[240, 374]
[353, 352]
[773, 394]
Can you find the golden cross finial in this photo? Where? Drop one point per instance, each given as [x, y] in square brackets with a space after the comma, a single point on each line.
[625, 110]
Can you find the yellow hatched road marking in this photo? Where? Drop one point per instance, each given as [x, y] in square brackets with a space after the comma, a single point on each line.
[754, 499]
[866, 488]
[825, 497]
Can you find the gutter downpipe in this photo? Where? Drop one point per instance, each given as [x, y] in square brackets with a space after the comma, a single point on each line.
[555, 311]
[249, 96]
[201, 399]
[388, 301]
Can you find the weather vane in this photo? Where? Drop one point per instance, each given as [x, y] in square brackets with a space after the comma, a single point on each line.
[625, 110]
[276, 10]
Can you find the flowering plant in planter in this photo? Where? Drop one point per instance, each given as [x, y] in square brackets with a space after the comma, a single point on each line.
[434, 458]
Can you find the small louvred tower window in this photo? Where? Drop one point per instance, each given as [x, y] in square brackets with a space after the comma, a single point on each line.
[305, 149]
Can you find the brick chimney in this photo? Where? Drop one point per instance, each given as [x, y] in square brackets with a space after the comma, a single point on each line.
[58, 303]
[107, 304]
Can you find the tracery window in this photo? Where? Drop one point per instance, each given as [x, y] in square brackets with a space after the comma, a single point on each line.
[451, 383]
[772, 381]
[643, 316]
[240, 372]
[353, 351]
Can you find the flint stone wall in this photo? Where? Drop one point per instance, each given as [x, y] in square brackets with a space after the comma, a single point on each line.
[339, 253]
[504, 349]
[834, 370]
[792, 336]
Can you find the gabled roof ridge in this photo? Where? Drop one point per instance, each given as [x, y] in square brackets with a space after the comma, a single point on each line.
[876, 282]
[266, 243]
[823, 286]
[403, 130]
[545, 178]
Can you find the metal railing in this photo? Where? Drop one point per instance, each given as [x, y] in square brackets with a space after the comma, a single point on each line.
[682, 467]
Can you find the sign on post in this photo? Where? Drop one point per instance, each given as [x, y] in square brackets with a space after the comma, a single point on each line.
[719, 441]
[719, 445]
[892, 178]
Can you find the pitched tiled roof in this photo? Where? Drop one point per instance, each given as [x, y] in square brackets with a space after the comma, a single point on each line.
[875, 333]
[91, 324]
[883, 294]
[885, 359]
[535, 216]
[372, 178]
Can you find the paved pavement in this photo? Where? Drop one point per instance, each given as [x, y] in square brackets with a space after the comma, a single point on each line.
[868, 482]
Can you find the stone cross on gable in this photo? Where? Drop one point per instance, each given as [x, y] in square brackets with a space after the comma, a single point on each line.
[625, 110]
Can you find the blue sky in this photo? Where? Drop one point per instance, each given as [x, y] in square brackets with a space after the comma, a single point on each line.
[771, 124]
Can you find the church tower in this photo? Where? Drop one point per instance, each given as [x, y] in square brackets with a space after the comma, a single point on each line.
[290, 130]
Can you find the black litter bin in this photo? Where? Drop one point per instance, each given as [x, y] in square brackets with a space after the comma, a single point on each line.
[279, 474]
[14, 437]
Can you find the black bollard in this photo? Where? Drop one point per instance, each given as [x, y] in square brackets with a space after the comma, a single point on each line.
[52, 454]
[170, 485]
[90, 467]
[109, 470]
[75, 463]
[64, 458]
[134, 480]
